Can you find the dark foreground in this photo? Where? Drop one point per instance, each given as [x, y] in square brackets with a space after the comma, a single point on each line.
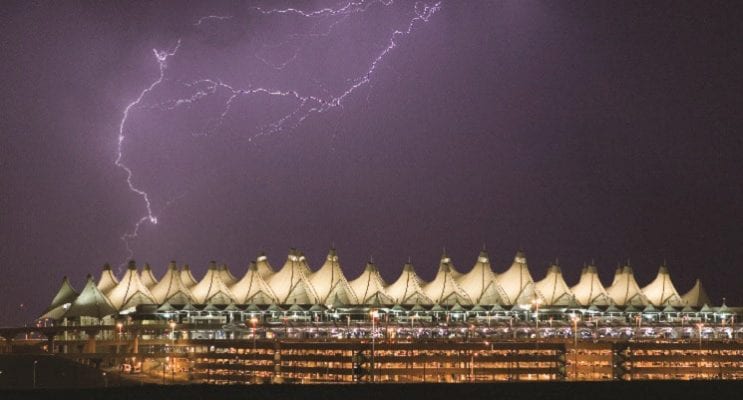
[522, 390]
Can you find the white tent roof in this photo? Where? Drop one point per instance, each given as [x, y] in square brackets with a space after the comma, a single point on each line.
[264, 267]
[444, 288]
[589, 290]
[187, 277]
[624, 290]
[90, 303]
[552, 289]
[408, 288]
[369, 287]
[290, 284]
[697, 296]
[452, 269]
[661, 292]
[108, 280]
[171, 288]
[226, 276]
[147, 277]
[329, 282]
[212, 289]
[130, 291]
[304, 264]
[517, 282]
[252, 288]
[61, 302]
[481, 284]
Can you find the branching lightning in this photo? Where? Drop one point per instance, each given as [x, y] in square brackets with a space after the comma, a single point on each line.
[305, 104]
[162, 60]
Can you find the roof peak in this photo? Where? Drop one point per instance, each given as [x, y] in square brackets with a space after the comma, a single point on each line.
[663, 269]
[520, 257]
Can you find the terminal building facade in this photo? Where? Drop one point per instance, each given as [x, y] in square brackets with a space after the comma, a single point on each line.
[296, 324]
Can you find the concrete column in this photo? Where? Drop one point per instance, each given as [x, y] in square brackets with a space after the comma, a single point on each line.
[8, 346]
[50, 339]
[135, 343]
[90, 345]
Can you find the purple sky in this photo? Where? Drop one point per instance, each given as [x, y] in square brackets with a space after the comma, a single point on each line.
[575, 130]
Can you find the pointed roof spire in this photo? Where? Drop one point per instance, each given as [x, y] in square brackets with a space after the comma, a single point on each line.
[90, 303]
[212, 289]
[130, 291]
[226, 275]
[291, 281]
[446, 263]
[329, 281]
[590, 290]
[171, 289]
[552, 289]
[517, 282]
[520, 257]
[661, 291]
[483, 257]
[252, 288]
[625, 290]
[370, 285]
[264, 267]
[696, 297]
[444, 288]
[107, 280]
[187, 277]
[148, 278]
[408, 289]
[62, 300]
[480, 283]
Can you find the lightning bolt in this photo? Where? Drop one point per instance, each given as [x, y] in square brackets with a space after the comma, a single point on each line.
[162, 59]
[305, 104]
[208, 18]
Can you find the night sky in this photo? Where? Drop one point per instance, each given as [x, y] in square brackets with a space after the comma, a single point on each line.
[574, 130]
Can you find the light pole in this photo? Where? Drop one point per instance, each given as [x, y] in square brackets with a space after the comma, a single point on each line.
[638, 319]
[167, 361]
[537, 301]
[699, 329]
[373, 314]
[34, 383]
[510, 324]
[575, 346]
[172, 333]
[120, 326]
[472, 366]
[699, 356]
[254, 321]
